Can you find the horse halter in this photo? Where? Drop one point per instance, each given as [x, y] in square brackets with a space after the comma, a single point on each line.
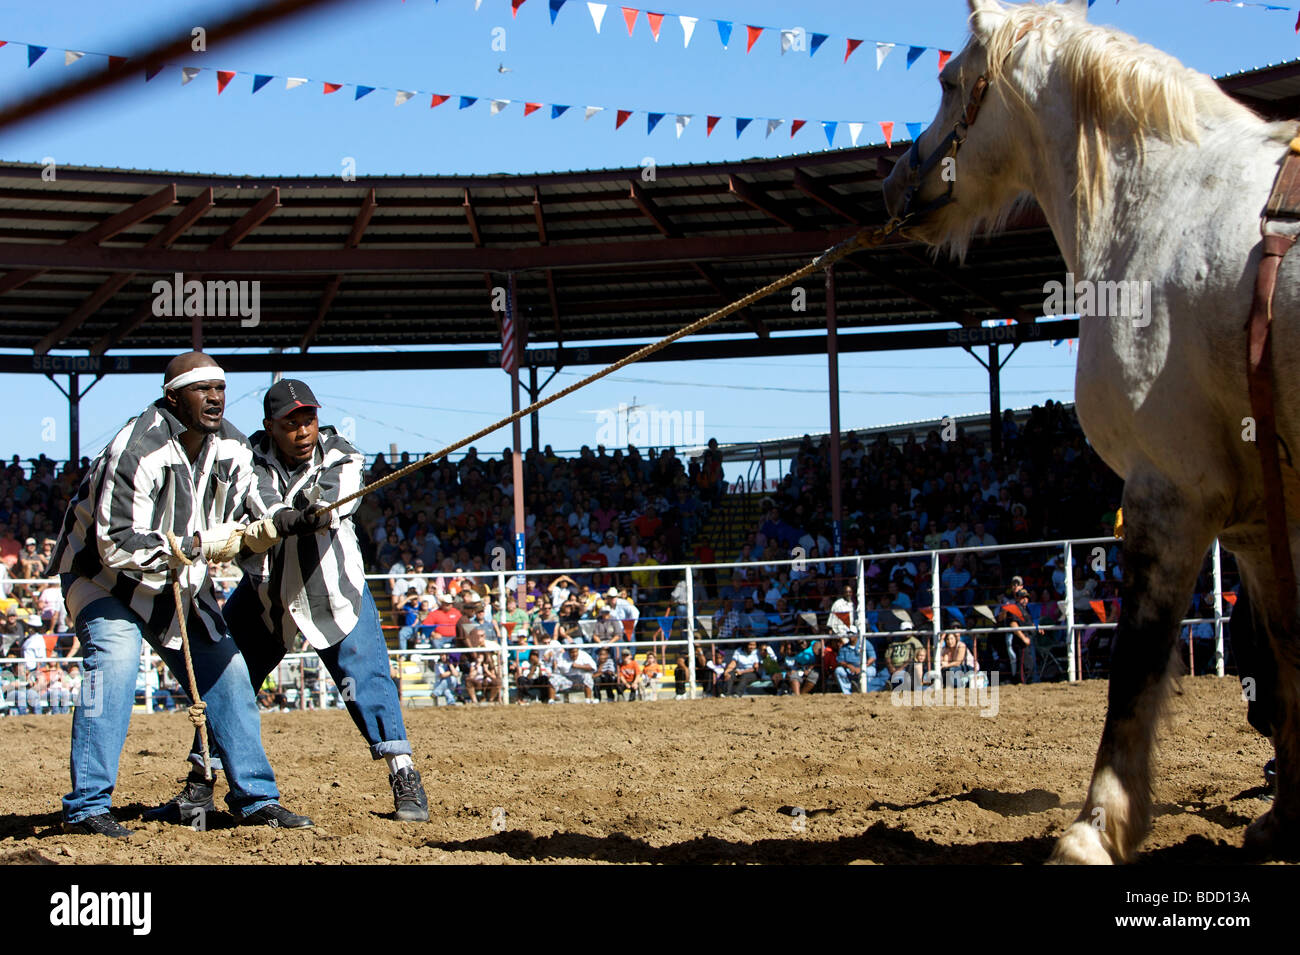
[919, 169]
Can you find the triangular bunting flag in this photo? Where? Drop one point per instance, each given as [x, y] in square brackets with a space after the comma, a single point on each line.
[883, 50]
[741, 123]
[597, 13]
[651, 121]
[467, 101]
[188, 73]
[477, 4]
[683, 120]
[402, 96]
[530, 108]
[772, 126]
[787, 40]
[887, 128]
[815, 43]
[362, 91]
[592, 111]
[944, 57]
[71, 56]
[555, 9]
[796, 125]
[557, 111]
[328, 88]
[223, 80]
[855, 130]
[621, 117]
[753, 33]
[3, 42]
[291, 81]
[629, 17]
[514, 7]
[437, 100]
[656, 21]
[497, 105]
[914, 54]
[688, 28]
[849, 46]
[830, 131]
[260, 80]
[34, 53]
[710, 122]
[914, 130]
[154, 71]
[724, 31]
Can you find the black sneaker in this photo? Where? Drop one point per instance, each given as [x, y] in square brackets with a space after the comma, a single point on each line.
[101, 825]
[1270, 780]
[191, 808]
[408, 796]
[277, 817]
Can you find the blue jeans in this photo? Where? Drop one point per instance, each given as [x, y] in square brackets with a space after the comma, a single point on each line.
[848, 680]
[446, 689]
[110, 634]
[358, 663]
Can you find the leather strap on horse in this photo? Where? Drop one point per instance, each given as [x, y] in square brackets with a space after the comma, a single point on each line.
[1283, 203]
[198, 709]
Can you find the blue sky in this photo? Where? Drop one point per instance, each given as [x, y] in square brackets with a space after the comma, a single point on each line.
[447, 47]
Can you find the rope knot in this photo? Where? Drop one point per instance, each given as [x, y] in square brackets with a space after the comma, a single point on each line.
[198, 713]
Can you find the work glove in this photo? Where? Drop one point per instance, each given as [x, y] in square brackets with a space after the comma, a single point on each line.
[221, 543]
[308, 521]
[261, 536]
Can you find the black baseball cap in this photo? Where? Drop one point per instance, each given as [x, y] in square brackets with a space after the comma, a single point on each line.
[286, 396]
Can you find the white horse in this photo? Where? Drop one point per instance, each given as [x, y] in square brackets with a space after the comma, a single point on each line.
[1147, 172]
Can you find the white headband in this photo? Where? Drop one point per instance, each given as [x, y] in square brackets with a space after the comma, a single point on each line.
[202, 373]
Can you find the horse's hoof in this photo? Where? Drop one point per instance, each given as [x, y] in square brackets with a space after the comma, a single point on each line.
[1080, 845]
[1268, 838]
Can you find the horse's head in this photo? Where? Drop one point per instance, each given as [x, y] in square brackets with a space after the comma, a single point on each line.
[972, 164]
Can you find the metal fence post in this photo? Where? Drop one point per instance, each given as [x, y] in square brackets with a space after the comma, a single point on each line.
[1217, 566]
[1072, 661]
[862, 622]
[690, 634]
[504, 638]
[934, 607]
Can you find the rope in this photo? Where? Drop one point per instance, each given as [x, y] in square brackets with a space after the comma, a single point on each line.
[866, 238]
[198, 709]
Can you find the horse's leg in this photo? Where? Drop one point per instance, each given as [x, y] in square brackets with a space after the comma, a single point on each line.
[1166, 536]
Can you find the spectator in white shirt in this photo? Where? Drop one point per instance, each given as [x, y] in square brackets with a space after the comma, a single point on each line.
[572, 670]
[744, 668]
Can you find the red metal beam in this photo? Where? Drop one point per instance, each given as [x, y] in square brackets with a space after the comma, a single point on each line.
[761, 201]
[840, 205]
[472, 221]
[923, 296]
[650, 209]
[332, 288]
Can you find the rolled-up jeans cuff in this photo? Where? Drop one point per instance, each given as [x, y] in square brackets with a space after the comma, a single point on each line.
[390, 747]
[197, 760]
[246, 811]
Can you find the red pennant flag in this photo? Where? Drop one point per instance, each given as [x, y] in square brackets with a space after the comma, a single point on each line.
[438, 100]
[531, 108]
[927, 613]
[3, 42]
[514, 7]
[656, 21]
[796, 125]
[623, 114]
[944, 57]
[1297, 24]
[754, 34]
[332, 88]
[115, 61]
[629, 17]
[1099, 608]
[849, 47]
[712, 121]
[223, 79]
[1231, 598]
[888, 130]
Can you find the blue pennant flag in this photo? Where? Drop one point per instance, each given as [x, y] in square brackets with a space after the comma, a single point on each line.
[830, 132]
[914, 54]
[34, 53]
[817, 40]
[741, 123]
[467, 101]
[555, 8]
[651, 121]
[362, 91]
[557, 111]
[724, 31]
[914, 130]
[260, 80]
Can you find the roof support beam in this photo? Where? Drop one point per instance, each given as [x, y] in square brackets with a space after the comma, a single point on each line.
[472, 221]
[973, 286]
[824, 195]
[757, 199]
[725, 297]
[888, 276]
[650, 209]
[332, 287]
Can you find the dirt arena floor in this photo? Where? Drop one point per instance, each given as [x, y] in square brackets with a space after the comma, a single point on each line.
[819, 779]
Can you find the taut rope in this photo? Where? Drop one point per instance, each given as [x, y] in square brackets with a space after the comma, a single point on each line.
[198, 709]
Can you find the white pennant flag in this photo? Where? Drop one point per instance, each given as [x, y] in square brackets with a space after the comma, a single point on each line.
[592, 111]
[683, 119]
[498, 105]
[597, 13]
[188, 73]
[688, 28]
[402, 97]
[855, 130]
[883, 50]
[772, 126]
[477, 4]
[291, 81]
[71, 56]
[787, 40]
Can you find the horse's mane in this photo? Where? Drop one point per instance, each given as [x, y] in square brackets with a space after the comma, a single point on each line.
[1121, 87]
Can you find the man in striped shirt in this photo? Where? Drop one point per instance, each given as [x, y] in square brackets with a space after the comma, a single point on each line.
[165, 497]
[315, 586]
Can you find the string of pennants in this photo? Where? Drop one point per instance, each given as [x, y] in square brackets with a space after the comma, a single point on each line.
[680, 121]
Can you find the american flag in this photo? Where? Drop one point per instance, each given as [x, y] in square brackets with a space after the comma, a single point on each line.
[509, 354]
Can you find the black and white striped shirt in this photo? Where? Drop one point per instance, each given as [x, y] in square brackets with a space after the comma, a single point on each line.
[311, 583]
[142, 485]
